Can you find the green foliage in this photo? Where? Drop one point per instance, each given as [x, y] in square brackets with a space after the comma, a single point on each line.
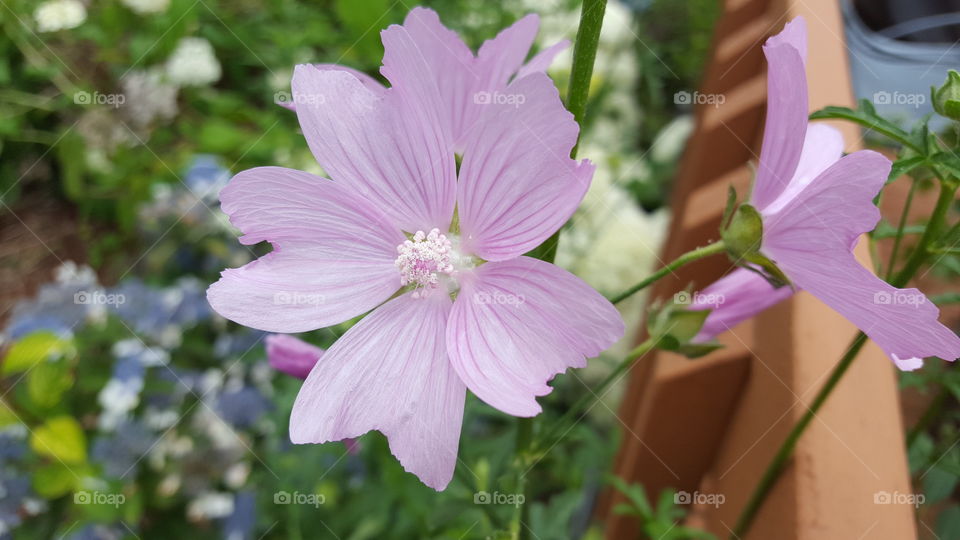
[656, 522]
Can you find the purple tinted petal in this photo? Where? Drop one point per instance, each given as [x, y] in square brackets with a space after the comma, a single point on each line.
[291, 355]
[518, 323]
[333, 256]
[518, 184]
[822, 147]
[372, 84]
[786, 123]
[390, 146]
[390, 373]
[794, 34]
[734, 298]
[811, 239]
[541, 62]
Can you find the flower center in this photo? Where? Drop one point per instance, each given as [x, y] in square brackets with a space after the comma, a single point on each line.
[424, 259]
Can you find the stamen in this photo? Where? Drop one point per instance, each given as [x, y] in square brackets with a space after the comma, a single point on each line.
[423, 259]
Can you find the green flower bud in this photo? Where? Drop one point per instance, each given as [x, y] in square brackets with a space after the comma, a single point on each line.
[946, 99]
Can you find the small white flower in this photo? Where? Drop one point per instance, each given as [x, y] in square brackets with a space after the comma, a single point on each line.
[59, 15]
[210, 505]
[193, 63]
[147, 7]
[149, 96]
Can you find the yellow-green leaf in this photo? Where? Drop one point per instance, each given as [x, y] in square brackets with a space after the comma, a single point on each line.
[62, 438]
[54, 480]
[31, 350]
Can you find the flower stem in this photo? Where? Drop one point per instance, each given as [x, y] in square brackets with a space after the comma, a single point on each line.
[586, 402]
[779, 462]
[918, 257]
[688, 257]
[903, 223]
[584, 54]
[518, 526]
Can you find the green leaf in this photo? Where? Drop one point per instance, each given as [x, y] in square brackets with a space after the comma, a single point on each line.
[903, 166]
[938, 484]
[47, 382]
[62, 438]
[54, 480]
[33, 349]
[867, 117]
[948, 524]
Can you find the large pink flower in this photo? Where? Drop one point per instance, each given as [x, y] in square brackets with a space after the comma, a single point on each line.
[455, 303]
[815, 204]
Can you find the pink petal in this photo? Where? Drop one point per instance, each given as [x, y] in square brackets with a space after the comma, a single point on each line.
[517, 323]
[390, 373]
[501, 57]
[389, 146]
[372, 84]
[810, 240]
[541, 62]
[291, 355]
[822, 147]
[332, 260]
[794, 34]
[786, 123]
[518, 184]
[734, 298]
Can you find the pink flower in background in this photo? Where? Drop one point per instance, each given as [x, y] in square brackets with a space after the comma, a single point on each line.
[465, 82]
[455, 303]
[815, 204]
[290, 355]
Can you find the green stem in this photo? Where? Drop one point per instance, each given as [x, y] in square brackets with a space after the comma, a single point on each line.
[518, 525]
[779, 463]
[900, 227]
[584, 54]
[688, 257]
[917, 258]
[586, 402]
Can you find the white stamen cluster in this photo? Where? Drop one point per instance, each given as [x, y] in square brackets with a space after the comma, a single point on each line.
[423, 259]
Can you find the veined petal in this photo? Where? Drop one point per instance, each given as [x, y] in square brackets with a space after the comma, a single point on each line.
[390, 146]
[734, 298]
[822, 147]
[794, 34]
[333, 252]
[517, 323]
[518, 184]
[810, 239]
[542, 60]
[290, 355]
[786, 124]
[372, 84]
[390, 373]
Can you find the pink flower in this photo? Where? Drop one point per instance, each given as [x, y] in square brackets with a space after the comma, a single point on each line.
[815, 204]
[292, 356]
[467, 83]
[454, 302]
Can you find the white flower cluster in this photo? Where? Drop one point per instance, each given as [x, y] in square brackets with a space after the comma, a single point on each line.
[147, 7]
[59, 15]
[193, 63]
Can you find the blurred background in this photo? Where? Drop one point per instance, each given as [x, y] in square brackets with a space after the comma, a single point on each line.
[129, 409]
